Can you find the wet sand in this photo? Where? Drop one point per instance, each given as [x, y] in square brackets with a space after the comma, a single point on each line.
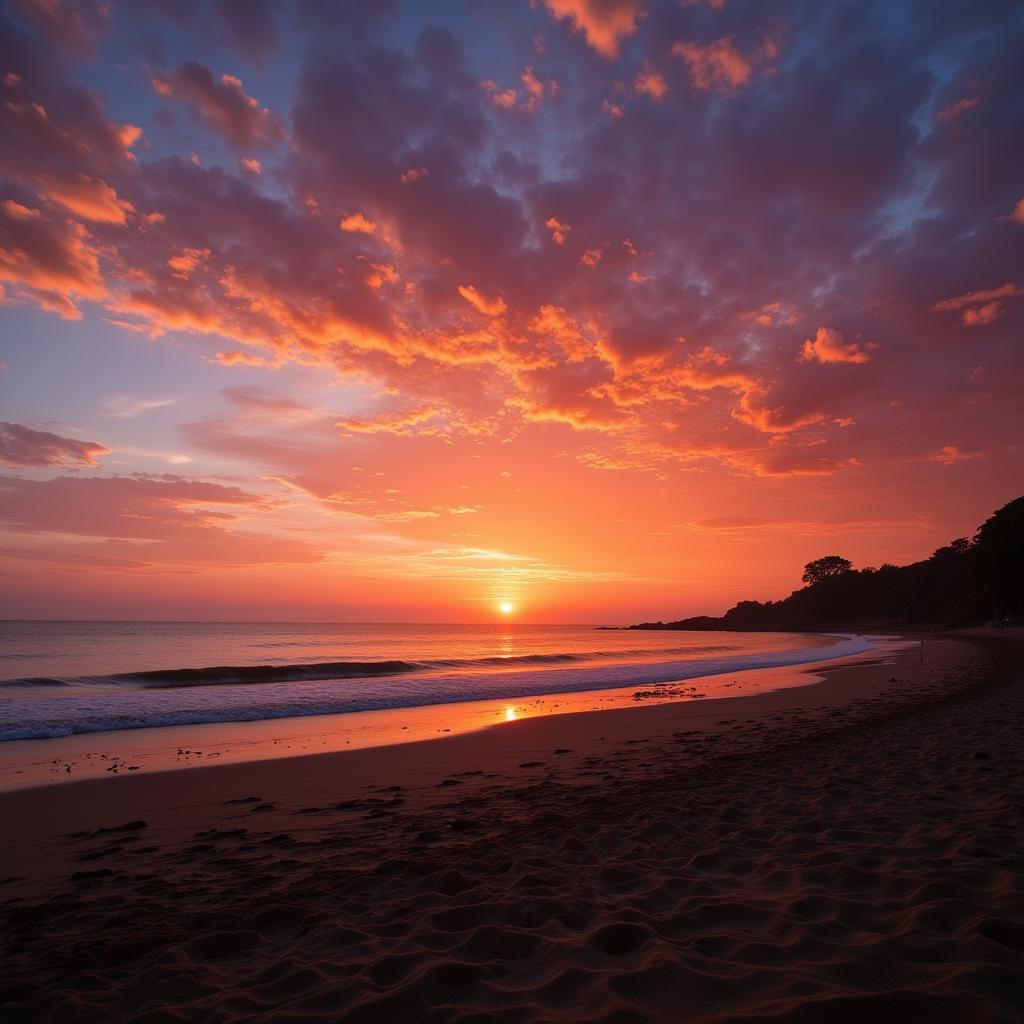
[834, 852]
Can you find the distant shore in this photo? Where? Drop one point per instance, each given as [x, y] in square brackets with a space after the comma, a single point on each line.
[788, 855]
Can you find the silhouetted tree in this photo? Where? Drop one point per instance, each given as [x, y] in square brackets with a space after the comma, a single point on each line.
[960, 546]
[999, 552]
[826, 568]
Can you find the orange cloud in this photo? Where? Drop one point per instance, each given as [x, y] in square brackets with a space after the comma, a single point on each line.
[52, 260]
[505, 99]
[980, 308]
[951, 454]
[380, 274]
[481, 303]
[591, 257]
[187, 260]
[150, 330]
[170, 309]
[709, 369]
[534, 90]
[603, 22]
[18, 212]
[413, 174]
[560, 230]
[357, 223]
[720, 66]
[398, 423]
[651, 83]
[954, 110]
[252, 165]
[828, 347]
[614, 110]
[88, 197]
[554, 324]
[22, 447]
[161, 86]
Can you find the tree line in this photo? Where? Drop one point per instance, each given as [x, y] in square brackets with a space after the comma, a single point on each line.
[970, 581]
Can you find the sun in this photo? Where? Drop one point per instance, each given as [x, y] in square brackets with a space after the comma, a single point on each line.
[506, 607]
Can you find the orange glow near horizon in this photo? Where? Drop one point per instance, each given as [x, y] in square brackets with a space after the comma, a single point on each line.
[506, 607]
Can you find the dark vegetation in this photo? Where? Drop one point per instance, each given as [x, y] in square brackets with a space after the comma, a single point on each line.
[968, 582]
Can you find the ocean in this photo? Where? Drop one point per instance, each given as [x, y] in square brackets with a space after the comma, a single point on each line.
[66, 678]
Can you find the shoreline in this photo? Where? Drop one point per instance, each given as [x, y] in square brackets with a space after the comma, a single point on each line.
[839, 850]
[63, 760]
[421, 767]
[227, 695]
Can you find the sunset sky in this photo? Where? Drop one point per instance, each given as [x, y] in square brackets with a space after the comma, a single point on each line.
[608, 309]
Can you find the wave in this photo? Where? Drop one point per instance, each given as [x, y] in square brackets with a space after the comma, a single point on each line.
[73, 713]
[234, 675]
[228, 675]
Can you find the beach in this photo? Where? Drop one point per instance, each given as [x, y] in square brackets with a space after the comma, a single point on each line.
[834, 851]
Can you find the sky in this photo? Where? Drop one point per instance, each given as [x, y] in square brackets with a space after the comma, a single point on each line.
[606, 309]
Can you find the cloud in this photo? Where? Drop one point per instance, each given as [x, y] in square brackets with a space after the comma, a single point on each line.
[183, 263]
[360, 258]
[980, 308]
[357, 223]
[503, 99]
[407, 516]
[560, 231]
[22, 447]
[955, 110]
[951, 454]
[413, 174]
[572, 338]
[481, 303]
[159, 521]
[535, 90]
[650, 83]
[400, 423]
[48, 260]
[718, 65]
[89, 198]
[221, 104]
[72, 24]
[126, 407]
[604, 23]
[828, 346]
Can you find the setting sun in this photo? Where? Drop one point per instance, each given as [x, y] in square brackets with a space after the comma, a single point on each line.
[506, 607]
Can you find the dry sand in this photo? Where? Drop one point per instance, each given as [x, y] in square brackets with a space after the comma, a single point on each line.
[846, 851]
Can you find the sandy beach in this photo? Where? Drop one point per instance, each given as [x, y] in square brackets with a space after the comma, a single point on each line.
[837, 851]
